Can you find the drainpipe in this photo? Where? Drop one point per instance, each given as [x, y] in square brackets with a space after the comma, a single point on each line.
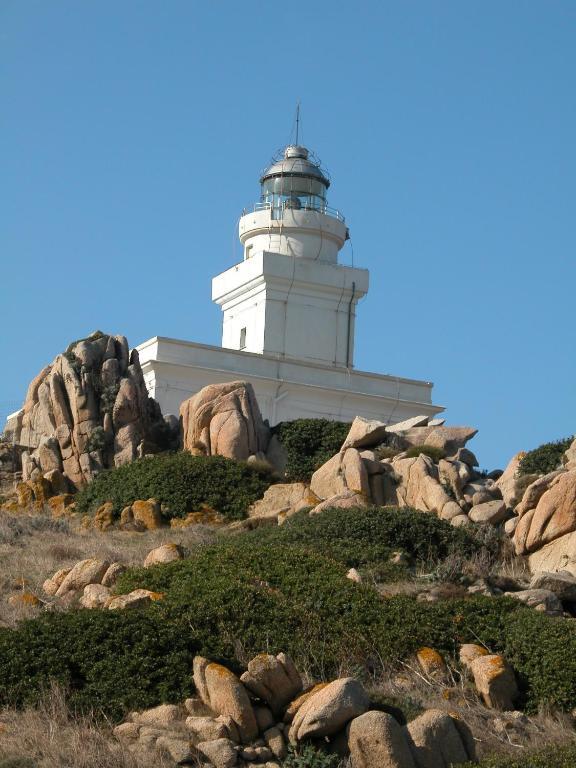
[348, 365]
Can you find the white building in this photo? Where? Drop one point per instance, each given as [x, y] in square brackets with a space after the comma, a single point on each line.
[289, 311]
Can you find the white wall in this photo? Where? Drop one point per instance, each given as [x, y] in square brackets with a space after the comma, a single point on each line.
[291, 307]
[300, 233]
[285, 390]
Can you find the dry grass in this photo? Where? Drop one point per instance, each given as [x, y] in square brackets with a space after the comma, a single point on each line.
[33, 547]
[50, 736]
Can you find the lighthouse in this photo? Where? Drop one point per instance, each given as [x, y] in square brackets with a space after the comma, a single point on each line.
[289, 297]
[288, 314]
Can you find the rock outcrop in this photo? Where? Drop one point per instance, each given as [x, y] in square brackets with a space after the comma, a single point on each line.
[282, 500]
[87, 411]
[234, 722]
[546, 528]
[224, 420]
[449, 487]
[343, 472]
[420, 487]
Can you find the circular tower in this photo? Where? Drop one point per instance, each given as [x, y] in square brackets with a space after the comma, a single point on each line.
[293, 217]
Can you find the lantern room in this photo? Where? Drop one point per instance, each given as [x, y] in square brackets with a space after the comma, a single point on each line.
[292, 217]
[294, 182]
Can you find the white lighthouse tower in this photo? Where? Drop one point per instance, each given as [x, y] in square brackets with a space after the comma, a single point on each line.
[290, 297]
[289, 310]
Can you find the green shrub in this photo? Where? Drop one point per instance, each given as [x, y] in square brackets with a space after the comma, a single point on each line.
[309, 443]
[309, 756]
[386, 452]
[428, 450]
[544, 459]
[109, 661]
[97, 440]
[551, 757]
[547, 672]
[279, 595]
[181, 481]
[367, 537]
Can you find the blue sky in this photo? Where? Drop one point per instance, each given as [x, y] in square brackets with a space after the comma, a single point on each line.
[132, 135]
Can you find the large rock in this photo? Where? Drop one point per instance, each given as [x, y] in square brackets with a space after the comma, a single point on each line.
[414, 421]
[328, 710]
[420, 487]
[469, 652]
[95, 596]
[148, 513]
[343, 472]
[90, 571]
[224, 420]
[274, 679]
[365, 433]
[492, 512]
[165, 553]
[553, 517]
[542, 600]
[138, 598]
[78, 410]
[510, 483]
[495, 681]
[220, 752]
[180, 750]
[559, 555]
[52, 584]
[222, 691]
[534, 492]
[448, 439]
[570, 456]
[162, 716]
[344, 500]
[455, 474]
[439, 740]
[205, 728]
[295, 705]
[283, 499]
[376, 740]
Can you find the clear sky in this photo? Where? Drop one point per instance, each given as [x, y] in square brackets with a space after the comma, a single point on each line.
[132, 134]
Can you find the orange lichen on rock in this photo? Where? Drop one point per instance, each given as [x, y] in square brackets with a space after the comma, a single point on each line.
[24, 598]
[431, 662]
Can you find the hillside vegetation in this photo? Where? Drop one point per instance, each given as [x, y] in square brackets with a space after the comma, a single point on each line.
[269, 591]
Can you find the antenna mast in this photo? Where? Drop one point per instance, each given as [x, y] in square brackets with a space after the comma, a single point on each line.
[297, 121]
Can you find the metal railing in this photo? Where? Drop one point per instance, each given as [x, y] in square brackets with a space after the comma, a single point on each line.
[278, 210]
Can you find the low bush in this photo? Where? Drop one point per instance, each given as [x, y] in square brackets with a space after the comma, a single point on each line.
[551, 757]
[431, 451]
[108, 661]
[309, 756]
[544, 459]
[309, 443]
[367, 537]
[180, 481]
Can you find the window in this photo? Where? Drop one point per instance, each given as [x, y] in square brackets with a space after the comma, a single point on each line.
[248, 251]
[242, 338]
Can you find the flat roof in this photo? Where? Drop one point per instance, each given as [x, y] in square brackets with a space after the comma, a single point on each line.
[271, 358]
